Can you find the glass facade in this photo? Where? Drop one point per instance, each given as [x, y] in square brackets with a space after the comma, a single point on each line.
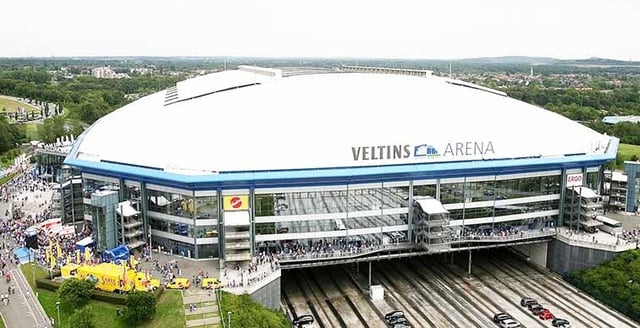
[341, 219]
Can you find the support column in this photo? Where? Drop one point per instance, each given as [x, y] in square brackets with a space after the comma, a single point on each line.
[469, 272]
[369, 275]
[451, 258]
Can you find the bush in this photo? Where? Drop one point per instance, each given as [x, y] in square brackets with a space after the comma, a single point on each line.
[75, 293]
[141, 306]
[112, 298]
[82, 318]
[47, 284]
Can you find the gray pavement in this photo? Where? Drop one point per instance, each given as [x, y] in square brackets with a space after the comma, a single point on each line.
[629, 221]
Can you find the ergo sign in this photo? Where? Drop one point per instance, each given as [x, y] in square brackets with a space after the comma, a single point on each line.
[574, 180]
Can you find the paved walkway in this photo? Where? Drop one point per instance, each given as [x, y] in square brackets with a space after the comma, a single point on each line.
[23, 310]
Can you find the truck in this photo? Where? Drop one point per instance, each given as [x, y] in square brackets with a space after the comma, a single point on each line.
[114, 278]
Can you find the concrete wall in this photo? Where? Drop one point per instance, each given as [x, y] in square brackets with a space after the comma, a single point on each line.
[536, 253]
[564, 258]
[268, 295]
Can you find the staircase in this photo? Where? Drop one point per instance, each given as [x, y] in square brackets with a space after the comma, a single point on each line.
[206, 313]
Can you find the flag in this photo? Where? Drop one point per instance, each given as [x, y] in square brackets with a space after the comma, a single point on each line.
[58, 250]
[132, 262]
[87, 255]
[53, 261]
[77, 256]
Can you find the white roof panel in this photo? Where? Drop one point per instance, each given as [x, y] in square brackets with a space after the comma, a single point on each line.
[431, 206]
[327, 121]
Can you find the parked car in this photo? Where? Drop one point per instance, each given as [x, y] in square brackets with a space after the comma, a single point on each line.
[178, 283]
[302, 320]
[528, 300]
[501, 316]
[535, 307]
[393, 314]
[397, 320]
[535, 310]
[401, 325]
[562, 323]
[546, 315]
[211, 283]
[509, 323]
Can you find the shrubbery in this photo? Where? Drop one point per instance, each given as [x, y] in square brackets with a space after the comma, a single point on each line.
[615, 283]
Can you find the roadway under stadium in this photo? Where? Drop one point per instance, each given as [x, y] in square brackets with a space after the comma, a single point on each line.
[329, 166]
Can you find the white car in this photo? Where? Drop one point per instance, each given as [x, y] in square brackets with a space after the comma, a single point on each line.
[509, 323]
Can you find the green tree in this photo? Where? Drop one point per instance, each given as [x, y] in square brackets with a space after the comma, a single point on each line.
[51, 128]
[74, 293]
[82, 318]
[141, 306]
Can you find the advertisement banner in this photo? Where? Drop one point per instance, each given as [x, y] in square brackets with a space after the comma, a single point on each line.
[574, 180]
[236, 203]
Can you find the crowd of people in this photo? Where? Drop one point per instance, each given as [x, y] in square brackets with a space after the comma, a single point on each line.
[319, 248]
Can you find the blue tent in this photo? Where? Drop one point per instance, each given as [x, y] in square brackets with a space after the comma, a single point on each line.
[120, 253]
[84, 243]
[23, 254]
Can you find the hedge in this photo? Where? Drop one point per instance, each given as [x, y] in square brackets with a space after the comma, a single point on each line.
[97, 295]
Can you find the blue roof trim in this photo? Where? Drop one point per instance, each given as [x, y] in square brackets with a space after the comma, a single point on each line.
[293, 178]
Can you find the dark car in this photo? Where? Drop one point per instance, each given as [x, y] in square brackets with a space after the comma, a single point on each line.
[558, 322]
[535, 308]
[501, 316]
[302, 320]
[528, 300]
[397, 320]
[393, 314]
[401, 325]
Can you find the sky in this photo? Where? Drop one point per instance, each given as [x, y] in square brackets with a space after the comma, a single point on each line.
[449, 29]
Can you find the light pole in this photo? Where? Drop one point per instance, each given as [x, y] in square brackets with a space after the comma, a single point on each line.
[58, 308]
[229, 318]
[33, 272]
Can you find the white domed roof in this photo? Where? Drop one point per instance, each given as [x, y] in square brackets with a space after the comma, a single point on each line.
[244, 121]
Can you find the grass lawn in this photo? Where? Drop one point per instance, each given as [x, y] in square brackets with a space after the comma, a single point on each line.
[168, 312]
[31, 130]
[626, 151]
[11, 106]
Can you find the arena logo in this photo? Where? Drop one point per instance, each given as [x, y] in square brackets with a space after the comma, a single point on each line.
[392, 152]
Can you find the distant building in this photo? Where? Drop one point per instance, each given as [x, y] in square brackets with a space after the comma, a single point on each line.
[107, 73]
[619, 119]
[615, 190]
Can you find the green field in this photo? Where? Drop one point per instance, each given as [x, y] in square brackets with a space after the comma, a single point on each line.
[11, 106]
[627, 151]
[168, 309]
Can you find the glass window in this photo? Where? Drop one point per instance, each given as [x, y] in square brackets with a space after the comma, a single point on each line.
[207, 207]
[90, 186]
[170, 203]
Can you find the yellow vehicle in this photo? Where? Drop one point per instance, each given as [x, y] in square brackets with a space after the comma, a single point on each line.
[211, 283]
[178, 283]
[108, 277]
[69, 270]
[111, 277]
[145, 283]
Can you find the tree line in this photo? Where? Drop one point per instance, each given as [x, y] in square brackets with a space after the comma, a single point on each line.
[85, 97]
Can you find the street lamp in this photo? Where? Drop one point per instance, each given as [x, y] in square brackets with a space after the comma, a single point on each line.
[229, 318]
[58, 308]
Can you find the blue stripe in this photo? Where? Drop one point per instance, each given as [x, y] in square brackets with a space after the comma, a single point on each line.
[295, 178]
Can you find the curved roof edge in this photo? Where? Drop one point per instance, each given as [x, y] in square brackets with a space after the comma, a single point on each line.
[291, 178]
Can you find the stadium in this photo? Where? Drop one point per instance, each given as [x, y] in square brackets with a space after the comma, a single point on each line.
[321, 165]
